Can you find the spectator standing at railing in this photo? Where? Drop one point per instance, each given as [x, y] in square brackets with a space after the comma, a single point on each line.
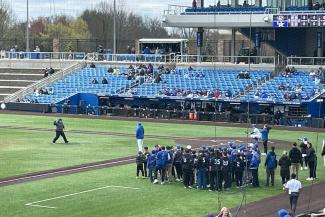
[194, 4]
[37, 49]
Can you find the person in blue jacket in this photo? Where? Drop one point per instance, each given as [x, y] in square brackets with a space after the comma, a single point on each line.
[253, 166]
[271, 164]
[139, 134]
[265, 137]
[161, 163]
[151, 165]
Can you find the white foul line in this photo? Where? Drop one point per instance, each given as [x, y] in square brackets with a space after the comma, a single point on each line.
[65, 171]
[35, 204]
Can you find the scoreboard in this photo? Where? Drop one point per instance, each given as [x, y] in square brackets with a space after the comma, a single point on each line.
[299, 20]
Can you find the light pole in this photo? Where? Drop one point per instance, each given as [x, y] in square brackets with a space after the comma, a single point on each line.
[27, 28]
[114, 29]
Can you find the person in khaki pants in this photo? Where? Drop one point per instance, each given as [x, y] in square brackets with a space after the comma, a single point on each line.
[295, 158]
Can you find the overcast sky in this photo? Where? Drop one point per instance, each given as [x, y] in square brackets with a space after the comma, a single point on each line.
[151, 8]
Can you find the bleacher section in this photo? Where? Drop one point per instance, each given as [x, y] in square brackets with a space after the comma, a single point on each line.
[185, 83]
[212, 10]
[80, 82]
[12, 80]
[271, 91]
[202, 80]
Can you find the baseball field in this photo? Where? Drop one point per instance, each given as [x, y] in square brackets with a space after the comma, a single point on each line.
[94, 175]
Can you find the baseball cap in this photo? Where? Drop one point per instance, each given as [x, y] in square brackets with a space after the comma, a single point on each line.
[189, 147]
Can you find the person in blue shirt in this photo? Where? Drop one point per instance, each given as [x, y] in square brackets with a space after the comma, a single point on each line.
[253, 166]
[161, 163]
[265, 137]
[151, 165]
[271, 164]
[139, 134]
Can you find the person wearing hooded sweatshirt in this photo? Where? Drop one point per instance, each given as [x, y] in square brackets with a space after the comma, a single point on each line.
[139, 134]
[270, 163]
[59, 131]
[312, 161]
[284, 163]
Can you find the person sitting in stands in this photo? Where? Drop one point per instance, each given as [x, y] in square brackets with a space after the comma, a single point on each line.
[298, 88]
[149, 68]
[247, 75]
[104, 81]
[51, 71]
[92, 65]
[45, 72]
[110, 70]
[282, 87]
[94, 81]
[217, 94]
[228, 94]
[50, 91]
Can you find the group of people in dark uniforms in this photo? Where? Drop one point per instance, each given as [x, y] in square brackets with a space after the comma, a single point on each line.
[214, 168]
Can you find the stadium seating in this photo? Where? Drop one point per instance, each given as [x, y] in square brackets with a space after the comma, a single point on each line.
[185, 83]
[202, 80]
[269, 91]
[80, 82]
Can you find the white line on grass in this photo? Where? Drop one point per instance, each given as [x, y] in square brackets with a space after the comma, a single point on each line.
[65, 171]
[36, 203]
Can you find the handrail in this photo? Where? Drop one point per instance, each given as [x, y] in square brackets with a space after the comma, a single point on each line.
[224, 59]
[44, 82]
[314, 61]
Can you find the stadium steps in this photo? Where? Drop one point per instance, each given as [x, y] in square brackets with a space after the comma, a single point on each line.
[9, 89]
[21, 71]
[22, 83]
[2, 96]
[16, 76]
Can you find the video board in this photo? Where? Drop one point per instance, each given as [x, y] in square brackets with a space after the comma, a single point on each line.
[299, 20]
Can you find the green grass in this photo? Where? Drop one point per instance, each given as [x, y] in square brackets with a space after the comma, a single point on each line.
[150, 201]
[24, 151]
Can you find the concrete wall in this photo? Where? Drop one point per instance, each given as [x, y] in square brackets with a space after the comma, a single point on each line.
[218, 20]
[35, 64]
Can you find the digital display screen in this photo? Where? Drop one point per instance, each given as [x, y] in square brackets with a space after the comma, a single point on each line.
[299, 20]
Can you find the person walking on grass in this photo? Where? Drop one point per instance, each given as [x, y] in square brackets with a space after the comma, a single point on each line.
[139, 134]
[59, 131]
[293, 186]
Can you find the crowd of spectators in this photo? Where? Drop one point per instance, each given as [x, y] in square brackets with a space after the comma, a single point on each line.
[216, 94]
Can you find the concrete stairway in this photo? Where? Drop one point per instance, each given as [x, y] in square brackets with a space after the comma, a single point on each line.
[12, 80]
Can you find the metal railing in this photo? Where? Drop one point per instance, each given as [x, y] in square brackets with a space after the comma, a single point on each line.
[42, 55]
[314, 61]
[127, 58]
[45, 82]
[225, 59]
